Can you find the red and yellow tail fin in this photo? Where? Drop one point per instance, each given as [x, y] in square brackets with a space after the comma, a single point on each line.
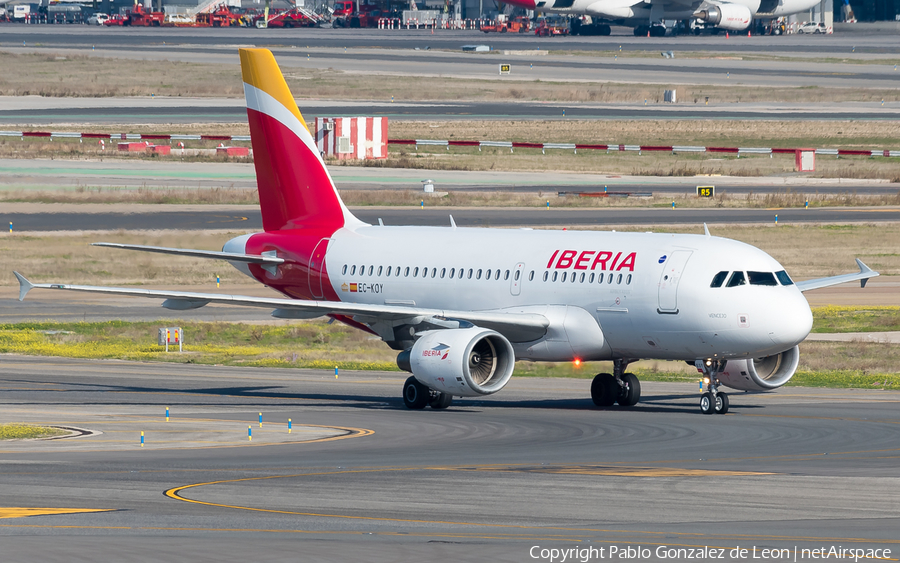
[295, 189]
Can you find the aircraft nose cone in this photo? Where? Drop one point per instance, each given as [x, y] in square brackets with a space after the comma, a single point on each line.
[795, 322]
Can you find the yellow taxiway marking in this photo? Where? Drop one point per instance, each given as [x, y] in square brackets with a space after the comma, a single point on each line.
[22, 512]
[644, 536]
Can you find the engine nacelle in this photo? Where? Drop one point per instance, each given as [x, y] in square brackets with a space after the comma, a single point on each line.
[464, 362]
[761, 374]
[734, 17]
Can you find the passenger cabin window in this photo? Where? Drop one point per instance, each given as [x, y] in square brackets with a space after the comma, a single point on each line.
[784, 278]
[452, 273]
[460, 273]
[487, 275]
[555, 274]
[564, 276]
[761, 278]
[478, 275]
[628, 280]
[591, 279]
[581, 278]
[546, 275]
[609, 278]
[737, 279]
[379, 270]
[344, 270]
[352, 270]
[619, 279]
[470, 273]
[443, 272]
[371, 269]
[406, 273]
[434, 273]
[388, 271]
[719, 279]
[530, 276]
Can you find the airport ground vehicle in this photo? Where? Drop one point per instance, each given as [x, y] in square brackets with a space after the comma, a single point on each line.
[505, 25]
[221, 16]
[138, 16]
[98, 19]
[551, 27]
[812, 27]
[461, 319]
[116, 20]
[345, 14]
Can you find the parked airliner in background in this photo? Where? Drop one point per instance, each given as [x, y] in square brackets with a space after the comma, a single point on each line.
[461, 305]
[642, 15]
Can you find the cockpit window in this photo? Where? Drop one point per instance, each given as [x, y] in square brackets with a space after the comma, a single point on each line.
[784, 278]
[762, 278]
[737, 279]
[719, 279]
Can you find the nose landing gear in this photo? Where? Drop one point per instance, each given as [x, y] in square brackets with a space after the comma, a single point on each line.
[712, 401]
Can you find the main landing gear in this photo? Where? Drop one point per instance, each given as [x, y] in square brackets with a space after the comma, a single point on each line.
[712, 401]
[617, 387]
[417, 396]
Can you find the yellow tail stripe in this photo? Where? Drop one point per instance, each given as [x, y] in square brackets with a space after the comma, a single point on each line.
[259, 69]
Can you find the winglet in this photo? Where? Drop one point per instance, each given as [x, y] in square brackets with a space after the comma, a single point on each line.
[24, 286]
[863, 269]
[706, 230]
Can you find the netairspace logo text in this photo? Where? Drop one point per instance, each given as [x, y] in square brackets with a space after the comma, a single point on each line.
[583, 554]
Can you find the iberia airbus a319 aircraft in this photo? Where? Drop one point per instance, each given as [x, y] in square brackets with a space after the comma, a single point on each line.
[461, 318]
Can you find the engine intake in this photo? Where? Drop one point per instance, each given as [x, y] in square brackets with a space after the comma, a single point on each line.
[464, 362]
[761, 374]
[734, 17]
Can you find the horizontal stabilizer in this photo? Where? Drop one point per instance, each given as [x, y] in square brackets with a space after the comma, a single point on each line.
[863, 276]
[24, 285]
[230, 256]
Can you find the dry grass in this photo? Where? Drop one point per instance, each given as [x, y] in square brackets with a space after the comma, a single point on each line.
[87, 194]
[711, 132]
[65, 74]
[868, 357]
[806, 251]
[631, 163]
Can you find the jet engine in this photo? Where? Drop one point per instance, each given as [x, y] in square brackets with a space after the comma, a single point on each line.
[463, 362]
[761, 374]
[734, 17]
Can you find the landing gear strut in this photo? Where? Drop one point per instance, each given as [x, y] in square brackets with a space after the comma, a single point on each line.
[712, 401]
[617, 387]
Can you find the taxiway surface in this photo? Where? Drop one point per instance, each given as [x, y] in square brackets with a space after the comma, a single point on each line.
[487, 479]
[247, 218]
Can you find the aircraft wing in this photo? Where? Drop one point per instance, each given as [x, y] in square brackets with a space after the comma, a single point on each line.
[863, 276]
[520, 327]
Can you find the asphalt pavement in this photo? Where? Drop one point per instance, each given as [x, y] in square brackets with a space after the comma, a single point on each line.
[248, 219]
[487, 479]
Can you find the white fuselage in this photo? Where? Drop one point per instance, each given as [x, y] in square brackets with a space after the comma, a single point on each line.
[648, 293]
